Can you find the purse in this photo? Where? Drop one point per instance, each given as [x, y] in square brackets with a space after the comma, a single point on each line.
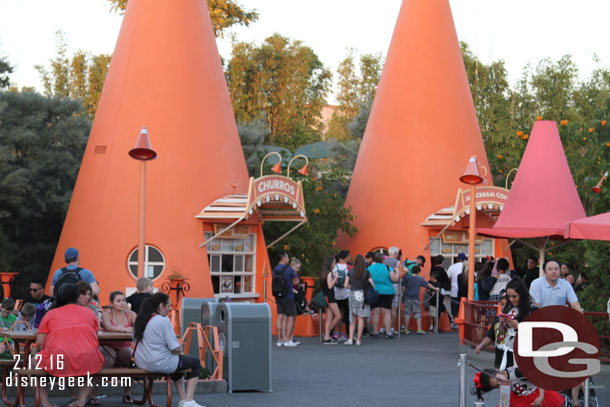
[319, 301]
[371, 296]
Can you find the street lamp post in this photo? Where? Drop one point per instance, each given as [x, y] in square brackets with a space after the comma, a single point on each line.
[471, 177]
[142, 152]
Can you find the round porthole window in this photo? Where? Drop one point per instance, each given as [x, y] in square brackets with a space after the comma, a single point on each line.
[154, 262]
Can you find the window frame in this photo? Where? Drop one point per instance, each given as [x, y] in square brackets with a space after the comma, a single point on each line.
[146, 261]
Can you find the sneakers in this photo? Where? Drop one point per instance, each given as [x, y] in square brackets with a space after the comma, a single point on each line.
[343, 338]
[348, 342]
[279, 344]
[382, 331]
[431, 329]
[394, 332]
[376, 336]
[290, 344]
[420, 332]
[181, 403]
[389, 336]
[406, 332]
[330, 341]
[335, 336]
[358, 343]
[296, 342]
[191, 403]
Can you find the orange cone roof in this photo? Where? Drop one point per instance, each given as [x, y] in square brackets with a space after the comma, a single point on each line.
[421, 132]
[165, 75]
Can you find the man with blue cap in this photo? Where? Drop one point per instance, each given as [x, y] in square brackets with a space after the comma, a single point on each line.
[72, 273]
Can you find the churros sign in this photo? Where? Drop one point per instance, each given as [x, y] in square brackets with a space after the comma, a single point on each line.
[279, 185]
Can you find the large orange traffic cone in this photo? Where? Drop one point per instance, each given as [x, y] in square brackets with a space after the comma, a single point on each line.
[166, 75]
[421, 131]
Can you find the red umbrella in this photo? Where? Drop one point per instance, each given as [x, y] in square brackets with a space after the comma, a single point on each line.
[591, 228]
[543, 197]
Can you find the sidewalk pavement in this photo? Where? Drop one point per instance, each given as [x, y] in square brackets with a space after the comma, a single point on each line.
[416, 370]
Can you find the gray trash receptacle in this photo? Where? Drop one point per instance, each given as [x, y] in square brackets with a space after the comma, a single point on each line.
[207, 318]
[191, 312]
[244, 332]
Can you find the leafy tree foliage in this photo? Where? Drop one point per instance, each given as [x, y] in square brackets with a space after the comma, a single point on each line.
[354, 90]
[224, 14]
[41, 144]
[313, 242]
[5, 70]
[283, 82]
[80, 77]
[252, 136]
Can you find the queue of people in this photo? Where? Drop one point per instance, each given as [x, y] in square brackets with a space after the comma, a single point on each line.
[67, 322]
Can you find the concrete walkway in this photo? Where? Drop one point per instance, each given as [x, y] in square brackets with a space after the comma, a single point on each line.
[413, 371]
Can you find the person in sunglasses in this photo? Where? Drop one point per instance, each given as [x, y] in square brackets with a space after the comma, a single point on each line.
[36, 294]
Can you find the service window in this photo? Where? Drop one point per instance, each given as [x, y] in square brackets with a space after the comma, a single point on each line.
[232, 265]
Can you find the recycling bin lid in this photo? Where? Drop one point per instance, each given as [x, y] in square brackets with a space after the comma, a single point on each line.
[242, 312]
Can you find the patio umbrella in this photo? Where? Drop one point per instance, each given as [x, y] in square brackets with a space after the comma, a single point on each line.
[543, 197]
[592, 228]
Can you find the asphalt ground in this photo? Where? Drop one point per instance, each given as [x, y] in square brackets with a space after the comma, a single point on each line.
[411, 371]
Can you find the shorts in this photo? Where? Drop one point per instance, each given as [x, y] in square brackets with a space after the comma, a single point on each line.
[286, 306]
[188, 362]
[396, 299]
[357, 306]
[412, 308]
[330, 296]
[385, 301]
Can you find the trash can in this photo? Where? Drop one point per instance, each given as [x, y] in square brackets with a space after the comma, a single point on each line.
[191, 312]
[207, 318]
[244, 332]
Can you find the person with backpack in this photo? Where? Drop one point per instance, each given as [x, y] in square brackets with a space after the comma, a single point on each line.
[72, 273]
[283, 278]
[342, 293]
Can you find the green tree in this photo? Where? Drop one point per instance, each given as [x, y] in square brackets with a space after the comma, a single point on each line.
[5, 70]
[252, 135]
[327, 217]
[81, 77]
[354, 89]
[41, 145]
[223, 13]
[283, 82]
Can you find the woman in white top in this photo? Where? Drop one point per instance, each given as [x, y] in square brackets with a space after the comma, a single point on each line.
[157, 349]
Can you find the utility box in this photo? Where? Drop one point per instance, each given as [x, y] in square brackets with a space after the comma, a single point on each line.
[191, 312]
[244, 331]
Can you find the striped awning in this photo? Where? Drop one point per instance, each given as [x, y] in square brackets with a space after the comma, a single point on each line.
[228, 207]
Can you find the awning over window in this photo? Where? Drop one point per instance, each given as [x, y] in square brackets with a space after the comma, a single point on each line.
[274, 197]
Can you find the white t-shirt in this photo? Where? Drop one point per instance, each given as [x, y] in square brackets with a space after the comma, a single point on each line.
[341, 293]
[503, 280]
[453, 272]
[154, 350]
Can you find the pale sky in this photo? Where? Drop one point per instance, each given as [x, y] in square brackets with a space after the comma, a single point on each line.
[517, 31]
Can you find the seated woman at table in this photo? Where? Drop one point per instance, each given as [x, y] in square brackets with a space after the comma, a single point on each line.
[85, 300]
[118, 319]
[68, 332]
[158, 350]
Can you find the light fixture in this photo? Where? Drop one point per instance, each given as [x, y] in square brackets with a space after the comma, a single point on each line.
[471, 175]
[143, 151]
[598, 187]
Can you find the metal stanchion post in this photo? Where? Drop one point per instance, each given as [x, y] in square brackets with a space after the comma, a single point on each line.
[586, 392]
[438, 314]
[399, 294]
[462, 370]
[321, 333]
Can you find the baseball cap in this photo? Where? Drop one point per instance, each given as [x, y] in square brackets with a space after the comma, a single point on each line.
[369, 255]
[71, 255]
[461, 256]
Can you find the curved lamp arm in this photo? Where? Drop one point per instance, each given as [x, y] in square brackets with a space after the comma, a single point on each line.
[294, 158]
[265, 157]
[508, 175]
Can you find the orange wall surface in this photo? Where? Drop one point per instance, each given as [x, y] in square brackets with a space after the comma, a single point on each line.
[166, 75]
[419, 137]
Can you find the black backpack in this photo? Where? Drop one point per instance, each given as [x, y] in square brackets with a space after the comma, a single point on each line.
[67, 276]
[278, 286]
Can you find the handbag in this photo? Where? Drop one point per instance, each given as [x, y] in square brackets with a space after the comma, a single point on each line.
[319, 301]
[371, 296]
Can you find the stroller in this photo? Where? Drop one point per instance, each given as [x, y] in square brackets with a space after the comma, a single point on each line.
[593, 401]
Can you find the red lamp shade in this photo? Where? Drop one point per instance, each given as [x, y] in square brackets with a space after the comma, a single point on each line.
[303, 171]
[277, 168]
[143, 151]
[471, 175]
[598, 187]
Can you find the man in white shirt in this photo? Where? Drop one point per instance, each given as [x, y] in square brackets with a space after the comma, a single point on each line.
[552, 290]
[453, 272]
